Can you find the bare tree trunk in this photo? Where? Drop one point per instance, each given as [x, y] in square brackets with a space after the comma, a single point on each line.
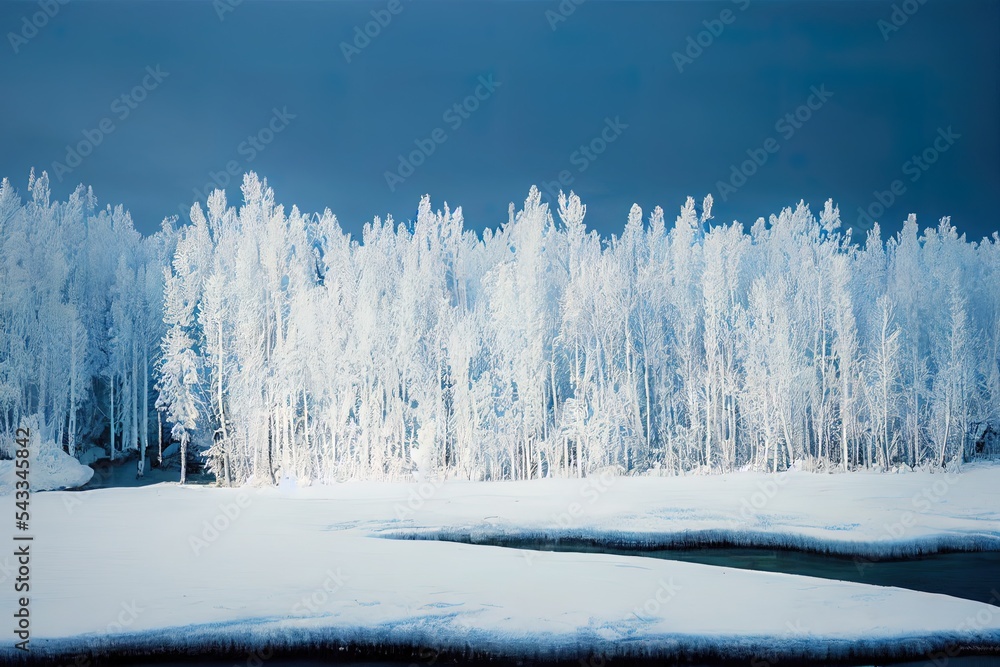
[222, 413]
[843, 418]
[184, 446]
[72, 392]
[112, 417]
[788, 438]
[947, 428]
[134, 430]
[916, 412]
[708, 417]
[145, 407]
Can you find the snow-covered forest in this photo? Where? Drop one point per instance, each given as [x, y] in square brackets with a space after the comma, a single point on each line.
[278, 345]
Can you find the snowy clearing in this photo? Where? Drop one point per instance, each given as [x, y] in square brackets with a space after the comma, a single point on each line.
[247, 568]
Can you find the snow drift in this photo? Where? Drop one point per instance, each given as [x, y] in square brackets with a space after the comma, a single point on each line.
[51, 468]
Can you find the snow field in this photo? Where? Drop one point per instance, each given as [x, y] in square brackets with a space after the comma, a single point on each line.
[253, 569]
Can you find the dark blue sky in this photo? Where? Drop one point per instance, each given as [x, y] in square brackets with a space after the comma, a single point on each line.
[609, 68]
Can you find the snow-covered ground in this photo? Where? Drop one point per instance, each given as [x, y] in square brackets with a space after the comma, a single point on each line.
[169, 568]
[872, 515]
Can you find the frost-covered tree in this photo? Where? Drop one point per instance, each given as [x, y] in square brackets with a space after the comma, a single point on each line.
[181, 394]
[275, 345]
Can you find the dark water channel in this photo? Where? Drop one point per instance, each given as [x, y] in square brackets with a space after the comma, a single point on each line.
[969, 575]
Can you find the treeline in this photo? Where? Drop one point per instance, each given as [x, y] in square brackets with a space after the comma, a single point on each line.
[81, 301]
[278, 345]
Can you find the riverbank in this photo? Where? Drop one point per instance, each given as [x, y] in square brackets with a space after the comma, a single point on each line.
[213, 571]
